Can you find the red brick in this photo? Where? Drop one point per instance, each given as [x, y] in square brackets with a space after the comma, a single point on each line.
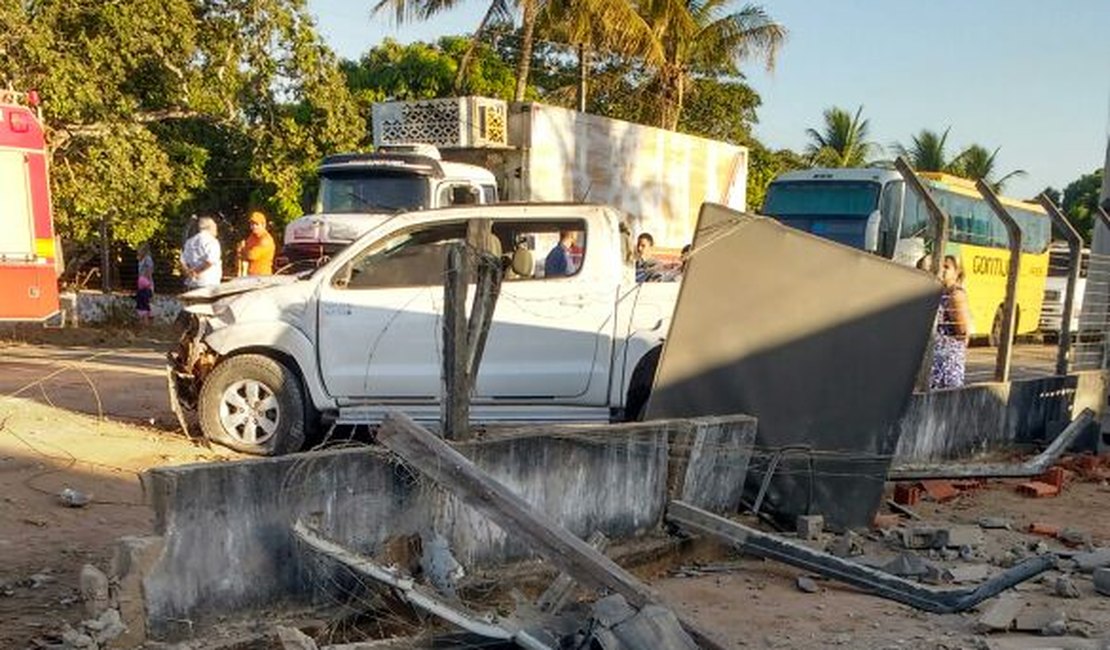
[906, 494]
[886, 521]
[939, 490]
[1055, 476]
[1041, 528]
[969, 483]
[1037, 489]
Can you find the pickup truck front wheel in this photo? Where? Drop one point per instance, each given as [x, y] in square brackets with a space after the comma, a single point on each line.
[253, 404]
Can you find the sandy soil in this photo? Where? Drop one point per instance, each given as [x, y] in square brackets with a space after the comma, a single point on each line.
[88, 411]
[75, 413]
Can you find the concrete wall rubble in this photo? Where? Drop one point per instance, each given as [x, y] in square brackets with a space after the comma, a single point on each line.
[227, 548]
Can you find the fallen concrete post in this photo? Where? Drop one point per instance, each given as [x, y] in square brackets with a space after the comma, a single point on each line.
[873, 580]
[411, 593]
[1034, 467]
[439, 461]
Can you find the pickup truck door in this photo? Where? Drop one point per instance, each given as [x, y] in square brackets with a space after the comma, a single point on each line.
[551, 337]
[380, 318]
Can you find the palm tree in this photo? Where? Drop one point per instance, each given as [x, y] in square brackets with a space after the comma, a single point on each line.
[976, 163]
[696, 37]
[928, 152]
[842, 142]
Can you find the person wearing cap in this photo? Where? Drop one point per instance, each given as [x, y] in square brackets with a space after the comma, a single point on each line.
[256, 253]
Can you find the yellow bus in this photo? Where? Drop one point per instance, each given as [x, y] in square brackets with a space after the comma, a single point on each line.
[873, 210]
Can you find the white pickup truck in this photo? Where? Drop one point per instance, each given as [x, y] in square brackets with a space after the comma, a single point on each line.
[265, 360]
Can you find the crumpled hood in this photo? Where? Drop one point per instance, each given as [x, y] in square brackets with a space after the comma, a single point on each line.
[235, 286]
[332, 228]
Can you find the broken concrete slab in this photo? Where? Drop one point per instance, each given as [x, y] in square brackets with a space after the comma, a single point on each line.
[960, 536]
[909, 565]
[919, 537]
[1089, 561]
[94, 589]
[999, 617]
[621, 627]
[848, 544]
[1046, 620]
[969, 573]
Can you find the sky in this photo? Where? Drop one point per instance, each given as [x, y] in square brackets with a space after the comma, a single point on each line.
[1027, 76]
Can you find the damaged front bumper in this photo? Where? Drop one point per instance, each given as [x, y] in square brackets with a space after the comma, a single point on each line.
[187, 365]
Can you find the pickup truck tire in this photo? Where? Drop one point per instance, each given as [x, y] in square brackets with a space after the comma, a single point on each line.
[253, 404]
[639, 388]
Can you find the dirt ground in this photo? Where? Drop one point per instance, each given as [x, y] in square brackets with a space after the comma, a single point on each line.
[87, 410]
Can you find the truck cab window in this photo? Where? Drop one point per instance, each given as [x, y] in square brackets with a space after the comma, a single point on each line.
[542, 249]
[409, 259]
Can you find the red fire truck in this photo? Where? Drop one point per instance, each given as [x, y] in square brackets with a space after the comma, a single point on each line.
[29, 253]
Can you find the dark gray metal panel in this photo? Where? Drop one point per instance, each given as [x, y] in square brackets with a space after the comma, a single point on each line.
[819, 341]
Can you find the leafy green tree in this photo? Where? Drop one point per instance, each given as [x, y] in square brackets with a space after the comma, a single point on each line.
[1080, 202]
[842, 141]
[157, 107]
[976, 163]
[763, 166]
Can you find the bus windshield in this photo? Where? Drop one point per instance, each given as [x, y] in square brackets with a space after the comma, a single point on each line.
[835, 210]
[356, 191]
[814, 199]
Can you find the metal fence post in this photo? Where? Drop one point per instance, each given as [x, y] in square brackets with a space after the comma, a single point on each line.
[937, 216]
[1009, 306]
[939, 219]
[1075, 252]
[1102, 217]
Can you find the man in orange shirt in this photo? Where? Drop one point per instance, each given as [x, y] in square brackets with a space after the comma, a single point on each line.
[256, 252]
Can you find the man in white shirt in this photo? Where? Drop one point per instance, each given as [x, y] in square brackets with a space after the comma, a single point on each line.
[200, 257]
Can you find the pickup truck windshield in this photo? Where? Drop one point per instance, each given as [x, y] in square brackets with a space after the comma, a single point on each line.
[355, 191]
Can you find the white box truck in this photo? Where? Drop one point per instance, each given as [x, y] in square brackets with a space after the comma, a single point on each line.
[542, 153]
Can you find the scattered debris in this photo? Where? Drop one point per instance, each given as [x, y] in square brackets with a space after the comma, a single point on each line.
[847, 544]
[969, 573]
[440, 567]
[1041, 528]
[1090, 561]
[902, 509]
[621, 627]
[884, 522]
[959, 537]
[807, 584]
[559, 593]
[1000, 616]
[919, 537]
[1047, 621]
[994, 523]
[907, 494]
[876, 581]
[72, 498]
[1037, 489]
[1101, 579]
[1074, 537]
[93, 587]
[909, 565]
[810, 526]
[1065, 588]
[939, 490]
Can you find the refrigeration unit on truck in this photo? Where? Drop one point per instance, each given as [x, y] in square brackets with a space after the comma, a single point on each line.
[29, 254]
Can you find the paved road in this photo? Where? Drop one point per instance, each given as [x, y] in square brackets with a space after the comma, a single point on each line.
[123, 384]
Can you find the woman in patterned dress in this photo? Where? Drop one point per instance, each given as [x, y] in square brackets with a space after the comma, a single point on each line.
[953, 317]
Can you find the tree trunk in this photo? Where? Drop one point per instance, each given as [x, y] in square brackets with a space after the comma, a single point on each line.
[582, 65]
[528, 28]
